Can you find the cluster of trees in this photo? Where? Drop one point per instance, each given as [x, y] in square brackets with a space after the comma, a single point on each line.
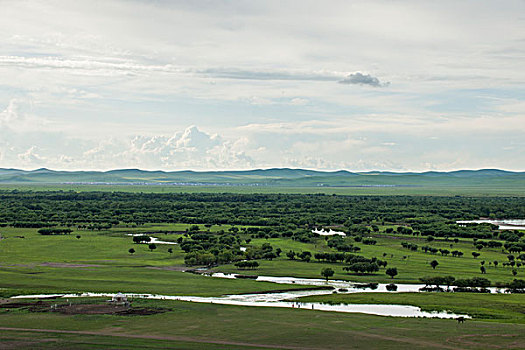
[200, 258]
[446, 229]
[210, 248]
[411, 246]
[490, 244]
[330, 257]
[29, 224]
[427, 215]
[304, 255]
[438, 281]
[475, 284]
[55, 231]
[342, 244]
[362, 265]
[141, 239]
[97, 227]
[369, 241]
[511, 236]
[432, 250]
[516, 286]
[515, 247]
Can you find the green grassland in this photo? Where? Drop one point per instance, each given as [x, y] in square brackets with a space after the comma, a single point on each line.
[281, 178]
[410, 265]
[34, 262]
[99, 261]
[50, 264]
[517, 189]
[210, 326]
[486, 307]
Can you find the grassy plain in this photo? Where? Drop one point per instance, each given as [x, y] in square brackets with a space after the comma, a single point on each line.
[93, 262]
[410, 265]
[486, 307]
[210, 326]
[518, 190]
[100, 262]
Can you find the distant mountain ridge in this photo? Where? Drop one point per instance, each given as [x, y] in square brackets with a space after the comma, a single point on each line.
[266, 177]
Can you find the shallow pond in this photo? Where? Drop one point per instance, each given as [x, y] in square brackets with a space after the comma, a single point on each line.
[328, 233]
[504, 224]
[152, 239]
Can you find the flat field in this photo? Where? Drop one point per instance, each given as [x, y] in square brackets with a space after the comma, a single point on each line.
[100, 261]
[210, 326]
[424, 190]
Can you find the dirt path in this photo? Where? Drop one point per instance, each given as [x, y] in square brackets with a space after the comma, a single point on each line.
[420, 343]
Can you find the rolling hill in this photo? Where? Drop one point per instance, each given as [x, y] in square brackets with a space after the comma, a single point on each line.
[267, 177]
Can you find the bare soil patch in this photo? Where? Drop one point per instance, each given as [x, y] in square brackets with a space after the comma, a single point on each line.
[105, 309]
[81, 309]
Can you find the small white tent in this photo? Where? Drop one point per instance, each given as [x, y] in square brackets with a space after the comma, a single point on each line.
[119, 298]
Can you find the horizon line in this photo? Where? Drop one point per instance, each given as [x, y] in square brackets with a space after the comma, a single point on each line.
[266, 169]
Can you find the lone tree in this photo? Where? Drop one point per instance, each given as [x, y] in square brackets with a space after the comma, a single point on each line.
[327, 272]
[391, 272]
[482, 269]
[131, 251]
[152, 246]
[170, 250]
[79, 236]
[434, 264]
[475, 254]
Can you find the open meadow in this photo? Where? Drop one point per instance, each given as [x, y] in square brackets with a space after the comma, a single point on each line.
[92, 246]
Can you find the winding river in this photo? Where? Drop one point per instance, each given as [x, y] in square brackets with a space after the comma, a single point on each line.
[289, 299]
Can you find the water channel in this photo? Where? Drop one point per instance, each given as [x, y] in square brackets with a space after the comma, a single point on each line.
[289, 299]
[504, 224]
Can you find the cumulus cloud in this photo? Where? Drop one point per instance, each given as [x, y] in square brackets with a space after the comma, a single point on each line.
[359, 78]
[31, 157]
[15, 111]
[18, 116]
[188, 149]
[271, 88]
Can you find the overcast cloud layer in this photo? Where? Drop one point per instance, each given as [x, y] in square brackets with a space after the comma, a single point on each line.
[357, 85]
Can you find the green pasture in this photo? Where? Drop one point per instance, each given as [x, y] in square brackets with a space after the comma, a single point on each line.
[210, 326]
[100, 262]
[410, 265]
[487, 307]
[518, 190]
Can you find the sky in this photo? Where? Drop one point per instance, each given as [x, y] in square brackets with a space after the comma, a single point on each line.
[219, 85]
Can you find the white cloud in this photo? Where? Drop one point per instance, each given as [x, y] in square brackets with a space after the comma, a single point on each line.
[31, 157]
[189, 149]
[297, 101]
[80, 78]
